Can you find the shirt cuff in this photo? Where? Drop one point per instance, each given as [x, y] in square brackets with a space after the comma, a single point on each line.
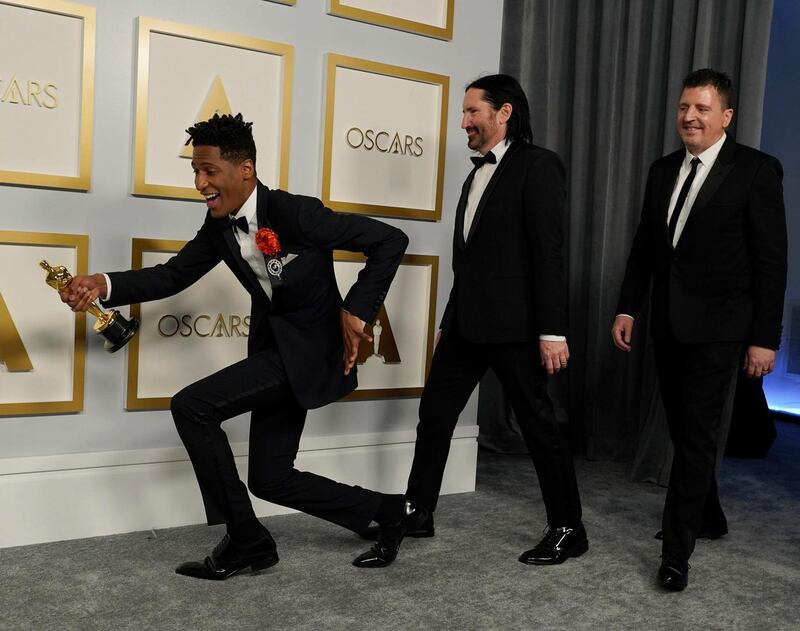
[108, 288]
[552, 338]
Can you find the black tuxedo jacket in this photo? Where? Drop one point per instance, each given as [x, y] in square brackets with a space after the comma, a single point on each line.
[725, 279]
[302, 320]
[509, 284]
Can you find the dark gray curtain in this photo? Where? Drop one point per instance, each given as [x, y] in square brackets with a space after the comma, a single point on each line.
[603, 78]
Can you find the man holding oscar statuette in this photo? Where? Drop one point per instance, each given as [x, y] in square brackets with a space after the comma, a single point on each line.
[302, 346]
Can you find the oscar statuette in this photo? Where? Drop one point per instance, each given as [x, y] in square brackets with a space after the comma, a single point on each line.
[110, 324]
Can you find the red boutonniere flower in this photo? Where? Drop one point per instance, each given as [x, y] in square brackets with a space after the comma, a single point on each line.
[267, 241]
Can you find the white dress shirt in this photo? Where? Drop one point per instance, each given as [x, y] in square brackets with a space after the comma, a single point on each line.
[476, 190]
[247, 247]
[707, 160]
[479, 183]
[247, 243]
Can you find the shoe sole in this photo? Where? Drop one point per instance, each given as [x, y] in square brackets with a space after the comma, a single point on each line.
[575, 551]
[256, 567]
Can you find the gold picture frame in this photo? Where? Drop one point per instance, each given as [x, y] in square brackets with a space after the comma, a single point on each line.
[438, 123]
[8, 330]
[82, 180]
[342, 9]
[149, 26]
[427, 319]
[136, 398]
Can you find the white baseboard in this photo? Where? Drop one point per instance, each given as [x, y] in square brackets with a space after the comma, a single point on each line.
[72, 496]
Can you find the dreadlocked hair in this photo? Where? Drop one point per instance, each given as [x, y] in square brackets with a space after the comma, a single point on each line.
[230, 133]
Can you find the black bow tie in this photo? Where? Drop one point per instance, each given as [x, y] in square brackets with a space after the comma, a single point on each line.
[479, 161]
[239, 222]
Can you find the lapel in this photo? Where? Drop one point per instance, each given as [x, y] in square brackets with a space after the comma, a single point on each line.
[498, 172]
[461, 209]
[227, 233]
[722, 166]
[672, 168]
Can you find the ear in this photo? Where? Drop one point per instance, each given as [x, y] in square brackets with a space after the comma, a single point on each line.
[504, 113]
[247, 169]
[727, 115]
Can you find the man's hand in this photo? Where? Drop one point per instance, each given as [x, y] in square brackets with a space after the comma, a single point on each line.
[554, 356]
[621, 332]
[352, 334]
[758, 361]
[82, 291]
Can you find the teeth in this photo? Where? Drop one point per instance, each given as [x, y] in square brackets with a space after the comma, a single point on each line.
[212, 196]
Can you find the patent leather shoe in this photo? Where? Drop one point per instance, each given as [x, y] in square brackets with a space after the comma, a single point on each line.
[426, 529]
[673, 573]
[390, 537]
[229, 558]
[557, 546]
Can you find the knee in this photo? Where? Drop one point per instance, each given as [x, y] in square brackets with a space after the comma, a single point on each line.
[269, 483]
[187, 407]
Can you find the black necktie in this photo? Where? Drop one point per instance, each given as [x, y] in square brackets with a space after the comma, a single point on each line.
[676, 212]
[239, 222]
[479, 161]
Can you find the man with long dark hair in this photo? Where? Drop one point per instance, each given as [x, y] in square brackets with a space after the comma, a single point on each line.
[302, 346]
[507, 310]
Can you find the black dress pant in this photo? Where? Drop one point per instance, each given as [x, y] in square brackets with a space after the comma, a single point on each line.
[259, 385]
[695, 381]
[456, 368]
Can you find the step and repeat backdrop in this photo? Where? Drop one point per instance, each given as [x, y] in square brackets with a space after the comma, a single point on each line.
[382, 154]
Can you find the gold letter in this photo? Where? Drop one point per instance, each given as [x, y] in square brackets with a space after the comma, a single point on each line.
[54, 102]
[220, 329]
[204, 317]
[12, 350]
[381, 133]
[216, 103]
[33, 94]
[234, 324]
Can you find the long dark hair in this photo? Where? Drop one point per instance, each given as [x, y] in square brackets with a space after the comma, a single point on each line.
[502, 88]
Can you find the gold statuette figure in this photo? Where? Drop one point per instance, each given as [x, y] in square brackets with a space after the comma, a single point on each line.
[116, 329]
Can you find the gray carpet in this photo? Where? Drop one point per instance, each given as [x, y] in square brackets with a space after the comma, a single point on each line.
[467, 577]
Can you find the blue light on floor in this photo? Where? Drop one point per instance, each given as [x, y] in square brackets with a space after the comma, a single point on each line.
[783, 393]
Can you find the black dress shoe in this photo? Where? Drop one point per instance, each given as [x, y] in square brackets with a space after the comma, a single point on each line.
[558, 545]
[673, 573]
[425, 529]
[390, 537]
[706, 533]
[228, 559]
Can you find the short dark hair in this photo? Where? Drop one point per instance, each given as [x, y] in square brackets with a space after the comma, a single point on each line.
[709, 76]
[230, 133]
[502, 88]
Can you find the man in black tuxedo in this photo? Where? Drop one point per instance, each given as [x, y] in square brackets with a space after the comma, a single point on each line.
[302, 345]
[712, 240]
[507, 310]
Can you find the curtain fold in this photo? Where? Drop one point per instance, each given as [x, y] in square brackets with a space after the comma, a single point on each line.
[603, 78]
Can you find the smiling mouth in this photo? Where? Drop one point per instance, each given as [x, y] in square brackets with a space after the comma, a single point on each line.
[211, 197]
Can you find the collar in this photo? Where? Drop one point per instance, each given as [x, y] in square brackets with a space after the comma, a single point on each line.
[499, 150]
[709, 156]
[248, 209]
